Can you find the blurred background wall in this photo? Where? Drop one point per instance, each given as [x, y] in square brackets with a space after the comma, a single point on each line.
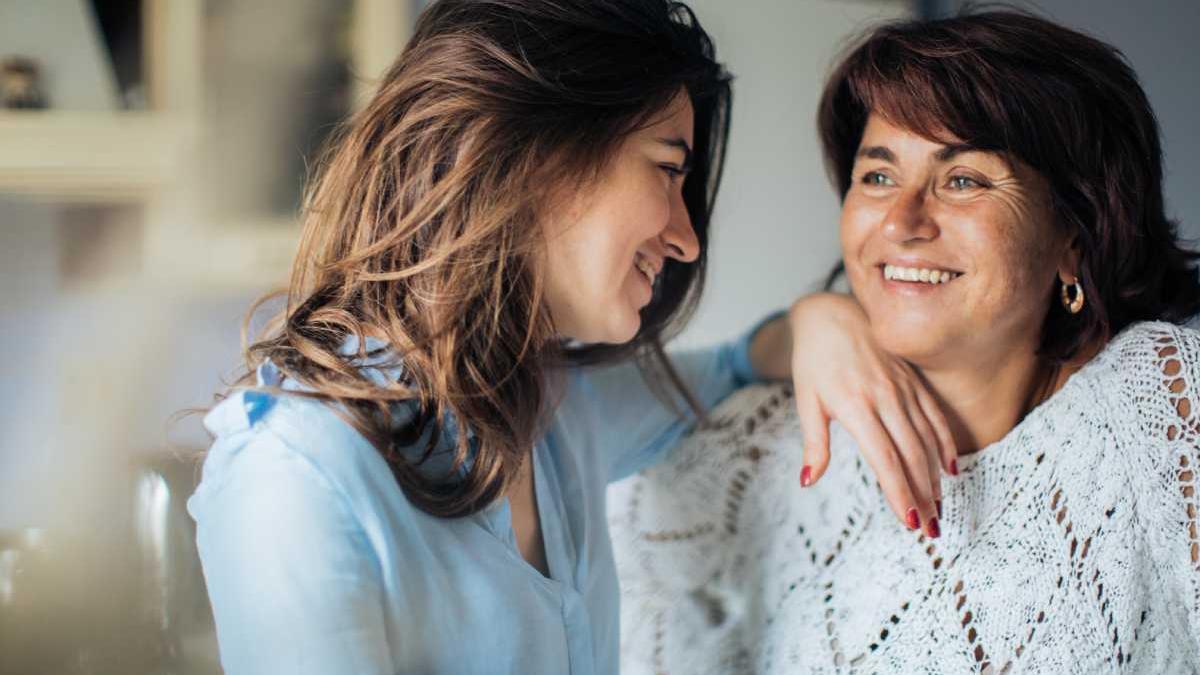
[154, 197]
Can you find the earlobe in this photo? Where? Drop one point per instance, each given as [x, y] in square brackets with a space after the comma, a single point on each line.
[1068, 267]
[1071, 290]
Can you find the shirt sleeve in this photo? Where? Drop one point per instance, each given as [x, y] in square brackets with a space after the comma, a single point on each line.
[294, 584]
[635, 425]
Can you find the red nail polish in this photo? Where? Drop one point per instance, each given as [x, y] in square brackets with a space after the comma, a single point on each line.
[939, 507]
[954, 467]
[933, 529]
[805, 476]
[914, 519]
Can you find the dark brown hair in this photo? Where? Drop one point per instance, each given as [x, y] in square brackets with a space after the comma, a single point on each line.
[421, 227]
[1067, 105]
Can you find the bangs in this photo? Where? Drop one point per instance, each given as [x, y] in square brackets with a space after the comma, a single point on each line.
[950, 89]
[909, 102]
[943, 95]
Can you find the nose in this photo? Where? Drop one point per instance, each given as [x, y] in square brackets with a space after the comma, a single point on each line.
[908, 220]
[679, 237]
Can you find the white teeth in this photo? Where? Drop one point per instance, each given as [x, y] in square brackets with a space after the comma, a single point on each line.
[923, 275]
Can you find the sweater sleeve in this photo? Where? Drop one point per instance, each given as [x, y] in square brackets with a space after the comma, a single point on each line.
[1174, 526]
[1166, 399]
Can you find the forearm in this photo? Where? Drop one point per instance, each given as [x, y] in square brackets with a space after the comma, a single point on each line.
[771, 349]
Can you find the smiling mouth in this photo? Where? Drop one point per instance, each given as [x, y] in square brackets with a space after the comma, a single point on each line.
[919, 274]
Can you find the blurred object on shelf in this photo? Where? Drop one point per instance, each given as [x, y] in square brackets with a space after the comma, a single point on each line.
[20, 84]
[62, 37]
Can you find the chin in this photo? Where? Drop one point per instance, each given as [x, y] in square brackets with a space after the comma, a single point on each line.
[615, 327]
[621, 325]
[624, 331]
[915, 341]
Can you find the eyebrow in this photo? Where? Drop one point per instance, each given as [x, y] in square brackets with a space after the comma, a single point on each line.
[877, 152]
[680, 144]
[951, 151]
[946, 154]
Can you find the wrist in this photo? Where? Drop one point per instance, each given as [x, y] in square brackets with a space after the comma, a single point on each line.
[823, 306]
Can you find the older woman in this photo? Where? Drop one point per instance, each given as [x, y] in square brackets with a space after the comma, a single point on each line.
[1003, 230]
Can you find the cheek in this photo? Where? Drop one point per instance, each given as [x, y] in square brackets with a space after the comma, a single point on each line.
[1015, 270]
[633, 218]
[600, 249]
[643, 208]
[859, 220]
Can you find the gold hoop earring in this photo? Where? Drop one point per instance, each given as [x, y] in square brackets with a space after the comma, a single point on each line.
[1073, 304]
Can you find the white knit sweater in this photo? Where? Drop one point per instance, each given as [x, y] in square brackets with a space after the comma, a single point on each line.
[1070, 546]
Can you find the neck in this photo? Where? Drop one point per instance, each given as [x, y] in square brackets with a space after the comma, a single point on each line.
[983, 399]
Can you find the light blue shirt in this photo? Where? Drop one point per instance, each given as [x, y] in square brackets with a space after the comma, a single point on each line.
[316, 562]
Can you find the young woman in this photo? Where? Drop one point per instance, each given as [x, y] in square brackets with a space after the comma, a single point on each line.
[412, 478]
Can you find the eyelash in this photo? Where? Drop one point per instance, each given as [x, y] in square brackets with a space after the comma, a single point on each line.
[869, 177]
[977, 183]
[673, 171]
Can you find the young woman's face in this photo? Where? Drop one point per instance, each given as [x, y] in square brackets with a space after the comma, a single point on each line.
[606, 248]
[952, 251]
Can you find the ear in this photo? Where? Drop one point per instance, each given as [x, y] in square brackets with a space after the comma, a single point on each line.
[1068, 265]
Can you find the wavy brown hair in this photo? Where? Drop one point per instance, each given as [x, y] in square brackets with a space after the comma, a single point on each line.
[1065, 104]
[421, 227]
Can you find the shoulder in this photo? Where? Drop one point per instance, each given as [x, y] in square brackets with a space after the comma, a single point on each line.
[753, 411]
[752, 437]
[1147, 379]
[1155, 343]
[285, 447]
[1152, 369]
[1158, 371]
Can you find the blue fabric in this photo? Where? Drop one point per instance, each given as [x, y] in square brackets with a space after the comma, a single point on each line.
[317, 563]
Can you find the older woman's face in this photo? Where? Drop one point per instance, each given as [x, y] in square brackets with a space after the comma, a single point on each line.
[952, 252]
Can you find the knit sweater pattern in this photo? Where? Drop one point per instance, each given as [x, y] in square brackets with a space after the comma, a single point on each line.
[1069, 546]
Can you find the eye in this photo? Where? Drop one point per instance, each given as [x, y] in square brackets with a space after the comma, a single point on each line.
[675, 173]
[876, 178]
[961, 182]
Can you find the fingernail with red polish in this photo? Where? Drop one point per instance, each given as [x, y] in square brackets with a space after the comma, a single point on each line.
[914, 519]
[939, 507]
[954, 467]
[933, 529]
[805, 476]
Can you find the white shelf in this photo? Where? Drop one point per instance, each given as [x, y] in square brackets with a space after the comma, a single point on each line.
[151, 158]
[97, 156]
